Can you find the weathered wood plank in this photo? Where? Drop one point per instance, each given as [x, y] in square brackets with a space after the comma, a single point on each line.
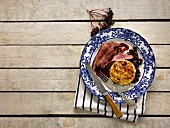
[61, 9]
[35, 56]
[60, 80]
[38, 79]
[70, 122]
[74, 32]
[60, 56]
[162, 77]
[160, 53]
[62, 103]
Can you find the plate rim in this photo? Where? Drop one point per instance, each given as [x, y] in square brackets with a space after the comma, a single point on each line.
[113, 94]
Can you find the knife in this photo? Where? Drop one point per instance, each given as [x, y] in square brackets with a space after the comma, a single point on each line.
[103, 91]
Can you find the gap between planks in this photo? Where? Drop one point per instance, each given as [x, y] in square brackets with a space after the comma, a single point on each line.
[58, 67]
[65, 91]
[56, 44]
[118, 20]
[73, 115]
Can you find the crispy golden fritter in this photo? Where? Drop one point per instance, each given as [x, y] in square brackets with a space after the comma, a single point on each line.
[122, 72]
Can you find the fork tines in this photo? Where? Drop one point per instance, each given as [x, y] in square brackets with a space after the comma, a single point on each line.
[103, 76]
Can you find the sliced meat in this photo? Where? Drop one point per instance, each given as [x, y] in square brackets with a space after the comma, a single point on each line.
[107, 57]
[122, 56]
[108, 52]
[102, 51]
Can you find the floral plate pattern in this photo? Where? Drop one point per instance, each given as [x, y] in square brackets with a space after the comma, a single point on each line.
[127, 35]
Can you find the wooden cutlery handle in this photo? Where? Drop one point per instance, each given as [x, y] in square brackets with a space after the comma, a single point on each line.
[114, 107]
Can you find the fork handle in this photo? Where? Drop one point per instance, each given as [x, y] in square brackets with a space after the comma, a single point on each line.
[114, 107]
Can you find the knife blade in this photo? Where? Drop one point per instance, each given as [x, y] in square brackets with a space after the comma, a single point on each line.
[103, 91]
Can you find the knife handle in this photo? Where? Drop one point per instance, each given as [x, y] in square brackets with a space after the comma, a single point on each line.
[114, 107]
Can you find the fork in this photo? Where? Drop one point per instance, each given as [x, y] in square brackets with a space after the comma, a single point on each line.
[108, 82]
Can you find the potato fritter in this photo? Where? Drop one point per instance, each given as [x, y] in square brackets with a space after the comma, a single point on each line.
[122, 72]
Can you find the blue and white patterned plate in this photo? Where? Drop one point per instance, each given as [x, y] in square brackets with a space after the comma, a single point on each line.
[132, 39]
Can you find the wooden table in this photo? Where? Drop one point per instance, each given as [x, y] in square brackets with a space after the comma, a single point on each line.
[40, 46]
